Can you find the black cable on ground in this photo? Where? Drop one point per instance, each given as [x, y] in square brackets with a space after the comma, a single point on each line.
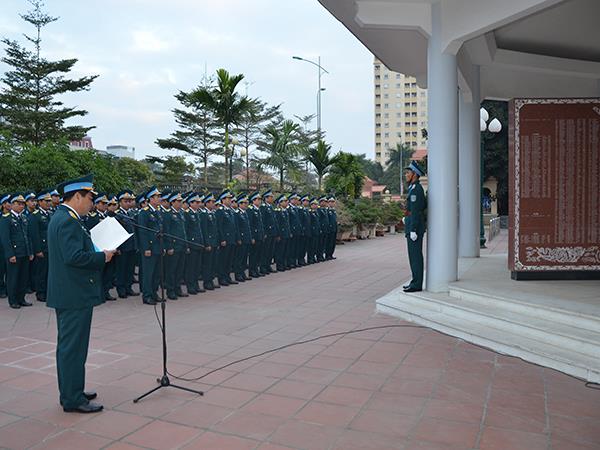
[588, 384]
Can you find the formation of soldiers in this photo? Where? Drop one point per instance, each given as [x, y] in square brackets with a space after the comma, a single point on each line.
[192, 240]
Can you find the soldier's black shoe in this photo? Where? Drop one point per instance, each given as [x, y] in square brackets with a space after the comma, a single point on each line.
[3, 295]
[15, 306]
[224, 283]
[406, 286]
[412, 289]
[90, 407]
[40, 298]
[132, 293]
[171, 296]
[26, 303]
[182, 294]
[149, 302]
[109, 298]
[209, 287]
[122, 295]
[192, 291]
[91, 395]
[239, 280]
[200, 290]
[217, 286]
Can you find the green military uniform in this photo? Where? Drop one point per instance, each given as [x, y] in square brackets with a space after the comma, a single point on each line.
[228, 238]
[38, 230]
[271, 233]
[175, 243]
[245, 238]
[258, 235]
[315, 232]
[74, 288]
[331, 240]
[193, 261]
[414, 228]
[16, 244]
[126, 258]
[282, 219]
[210, 233]
[325, 228]
[296, 233]
[150, 221]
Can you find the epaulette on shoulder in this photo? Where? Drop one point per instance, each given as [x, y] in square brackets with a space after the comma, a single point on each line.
[5, 214]
[36, 212]
[92, 214]
[72, 214]
[146, 208]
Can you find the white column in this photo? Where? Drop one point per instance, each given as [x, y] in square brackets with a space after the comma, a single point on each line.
[442, 84]
[469, 172]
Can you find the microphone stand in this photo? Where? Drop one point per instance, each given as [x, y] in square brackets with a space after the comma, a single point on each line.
[164, 380]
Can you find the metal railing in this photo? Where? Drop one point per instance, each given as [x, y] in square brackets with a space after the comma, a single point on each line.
[494, 228]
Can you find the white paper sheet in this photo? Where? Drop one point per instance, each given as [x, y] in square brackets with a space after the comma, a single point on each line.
[109, 234]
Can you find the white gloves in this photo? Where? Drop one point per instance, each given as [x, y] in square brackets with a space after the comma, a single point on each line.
[413, 236]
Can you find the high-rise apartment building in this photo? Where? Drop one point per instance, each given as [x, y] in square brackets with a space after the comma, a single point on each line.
[400, 111]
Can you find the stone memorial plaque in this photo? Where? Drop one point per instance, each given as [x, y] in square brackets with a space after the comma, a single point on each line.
[554, 183]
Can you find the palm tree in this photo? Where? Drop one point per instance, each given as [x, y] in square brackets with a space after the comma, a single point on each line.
[227, 105]
[346, 175]
[399, 158]
[281, 143]
[321, 160]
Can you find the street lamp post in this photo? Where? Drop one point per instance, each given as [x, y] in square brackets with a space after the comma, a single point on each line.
[245, 152]
[321, 71]
[232, 144]
[494, 126]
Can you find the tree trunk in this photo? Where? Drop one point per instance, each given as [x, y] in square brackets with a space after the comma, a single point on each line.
[281, 180]
[205, 169]
[226, 154]
[320, 183]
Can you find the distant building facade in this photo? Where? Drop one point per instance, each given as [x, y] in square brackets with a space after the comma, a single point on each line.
[400, 111]
[121, 151]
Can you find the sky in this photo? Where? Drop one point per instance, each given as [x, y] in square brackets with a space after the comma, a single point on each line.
[145, 51]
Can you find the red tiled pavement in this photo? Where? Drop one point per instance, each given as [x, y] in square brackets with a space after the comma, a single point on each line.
[394, 388]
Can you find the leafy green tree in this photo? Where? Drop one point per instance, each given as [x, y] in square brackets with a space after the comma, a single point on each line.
[280, 141]
[226, 104]
[372, 169]
[321, 159]
[136, 174]
[171, 170]
[346, 176]
[30, 110]
[198, 128]
[495, 152]
[399, 158]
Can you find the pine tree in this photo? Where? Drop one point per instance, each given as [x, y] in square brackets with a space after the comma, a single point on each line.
[29, 109]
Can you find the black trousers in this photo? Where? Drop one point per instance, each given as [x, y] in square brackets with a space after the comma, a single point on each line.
[241, 259]
[268, 252]
[2, 275]
[108, 276]
[40, 271]
[124, 267]
[226, 261]
[281, 253]
[150, 276]
[209, 259]
[255, 257]
[193, 269]
[17, 280]
[174, 272]
[71, 353]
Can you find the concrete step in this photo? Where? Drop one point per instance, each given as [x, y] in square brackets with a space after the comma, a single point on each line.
[500, 330]
[541, 311]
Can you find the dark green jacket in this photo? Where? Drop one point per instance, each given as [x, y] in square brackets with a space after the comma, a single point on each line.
[282, 219]
[256, 223]
[14, 235]
[243, 225]
[127, 221]
[193, 229]
[315, 222]
[74, 267]
[38, 230]
[415, 210]
[295, 224]
[208, 222]
[174, 224]
[151, 221]
[226, 225]
[268, 219]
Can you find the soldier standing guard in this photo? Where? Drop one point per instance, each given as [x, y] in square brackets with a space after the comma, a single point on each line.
[295, 231]
[126, 258]
[5, 203]
[38, 230]
[414, 225]
[228, 237]
[332, 228]
[304, 209]
[18, 253]
[245, 237]
[258, 236]
[324, 221]
[150, 220]
[210, 233]
[74, 288]
[283, 226]
[315, 232]
[193, 229]
[177, 247]
[271, 232]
